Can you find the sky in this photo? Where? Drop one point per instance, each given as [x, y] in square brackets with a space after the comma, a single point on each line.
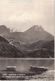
[22, 14]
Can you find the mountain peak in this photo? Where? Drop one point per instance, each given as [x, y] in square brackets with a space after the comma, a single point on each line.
[35, 28]
[3, 26]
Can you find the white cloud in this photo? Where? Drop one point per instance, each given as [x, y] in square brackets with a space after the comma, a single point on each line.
[37, 12]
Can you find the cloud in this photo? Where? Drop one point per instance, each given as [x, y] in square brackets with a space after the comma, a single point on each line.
[35, 11]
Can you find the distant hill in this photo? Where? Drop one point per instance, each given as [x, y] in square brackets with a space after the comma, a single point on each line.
[37, 33]
[34, 34]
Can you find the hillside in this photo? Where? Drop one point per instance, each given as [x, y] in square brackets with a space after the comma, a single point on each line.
[40, 49]
[7, 50]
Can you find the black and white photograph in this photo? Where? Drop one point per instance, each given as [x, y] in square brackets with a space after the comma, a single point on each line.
[27, 40]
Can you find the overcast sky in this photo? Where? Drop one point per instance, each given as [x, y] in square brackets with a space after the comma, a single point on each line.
[22, 14]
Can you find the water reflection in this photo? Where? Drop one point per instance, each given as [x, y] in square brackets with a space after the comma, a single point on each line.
[24, 65]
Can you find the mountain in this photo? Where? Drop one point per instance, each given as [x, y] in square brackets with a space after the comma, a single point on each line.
[34, 42]
[4, 30]
[34, 34]
[7, 50]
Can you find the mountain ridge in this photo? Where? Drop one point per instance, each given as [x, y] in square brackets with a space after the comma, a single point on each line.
[33, 34]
